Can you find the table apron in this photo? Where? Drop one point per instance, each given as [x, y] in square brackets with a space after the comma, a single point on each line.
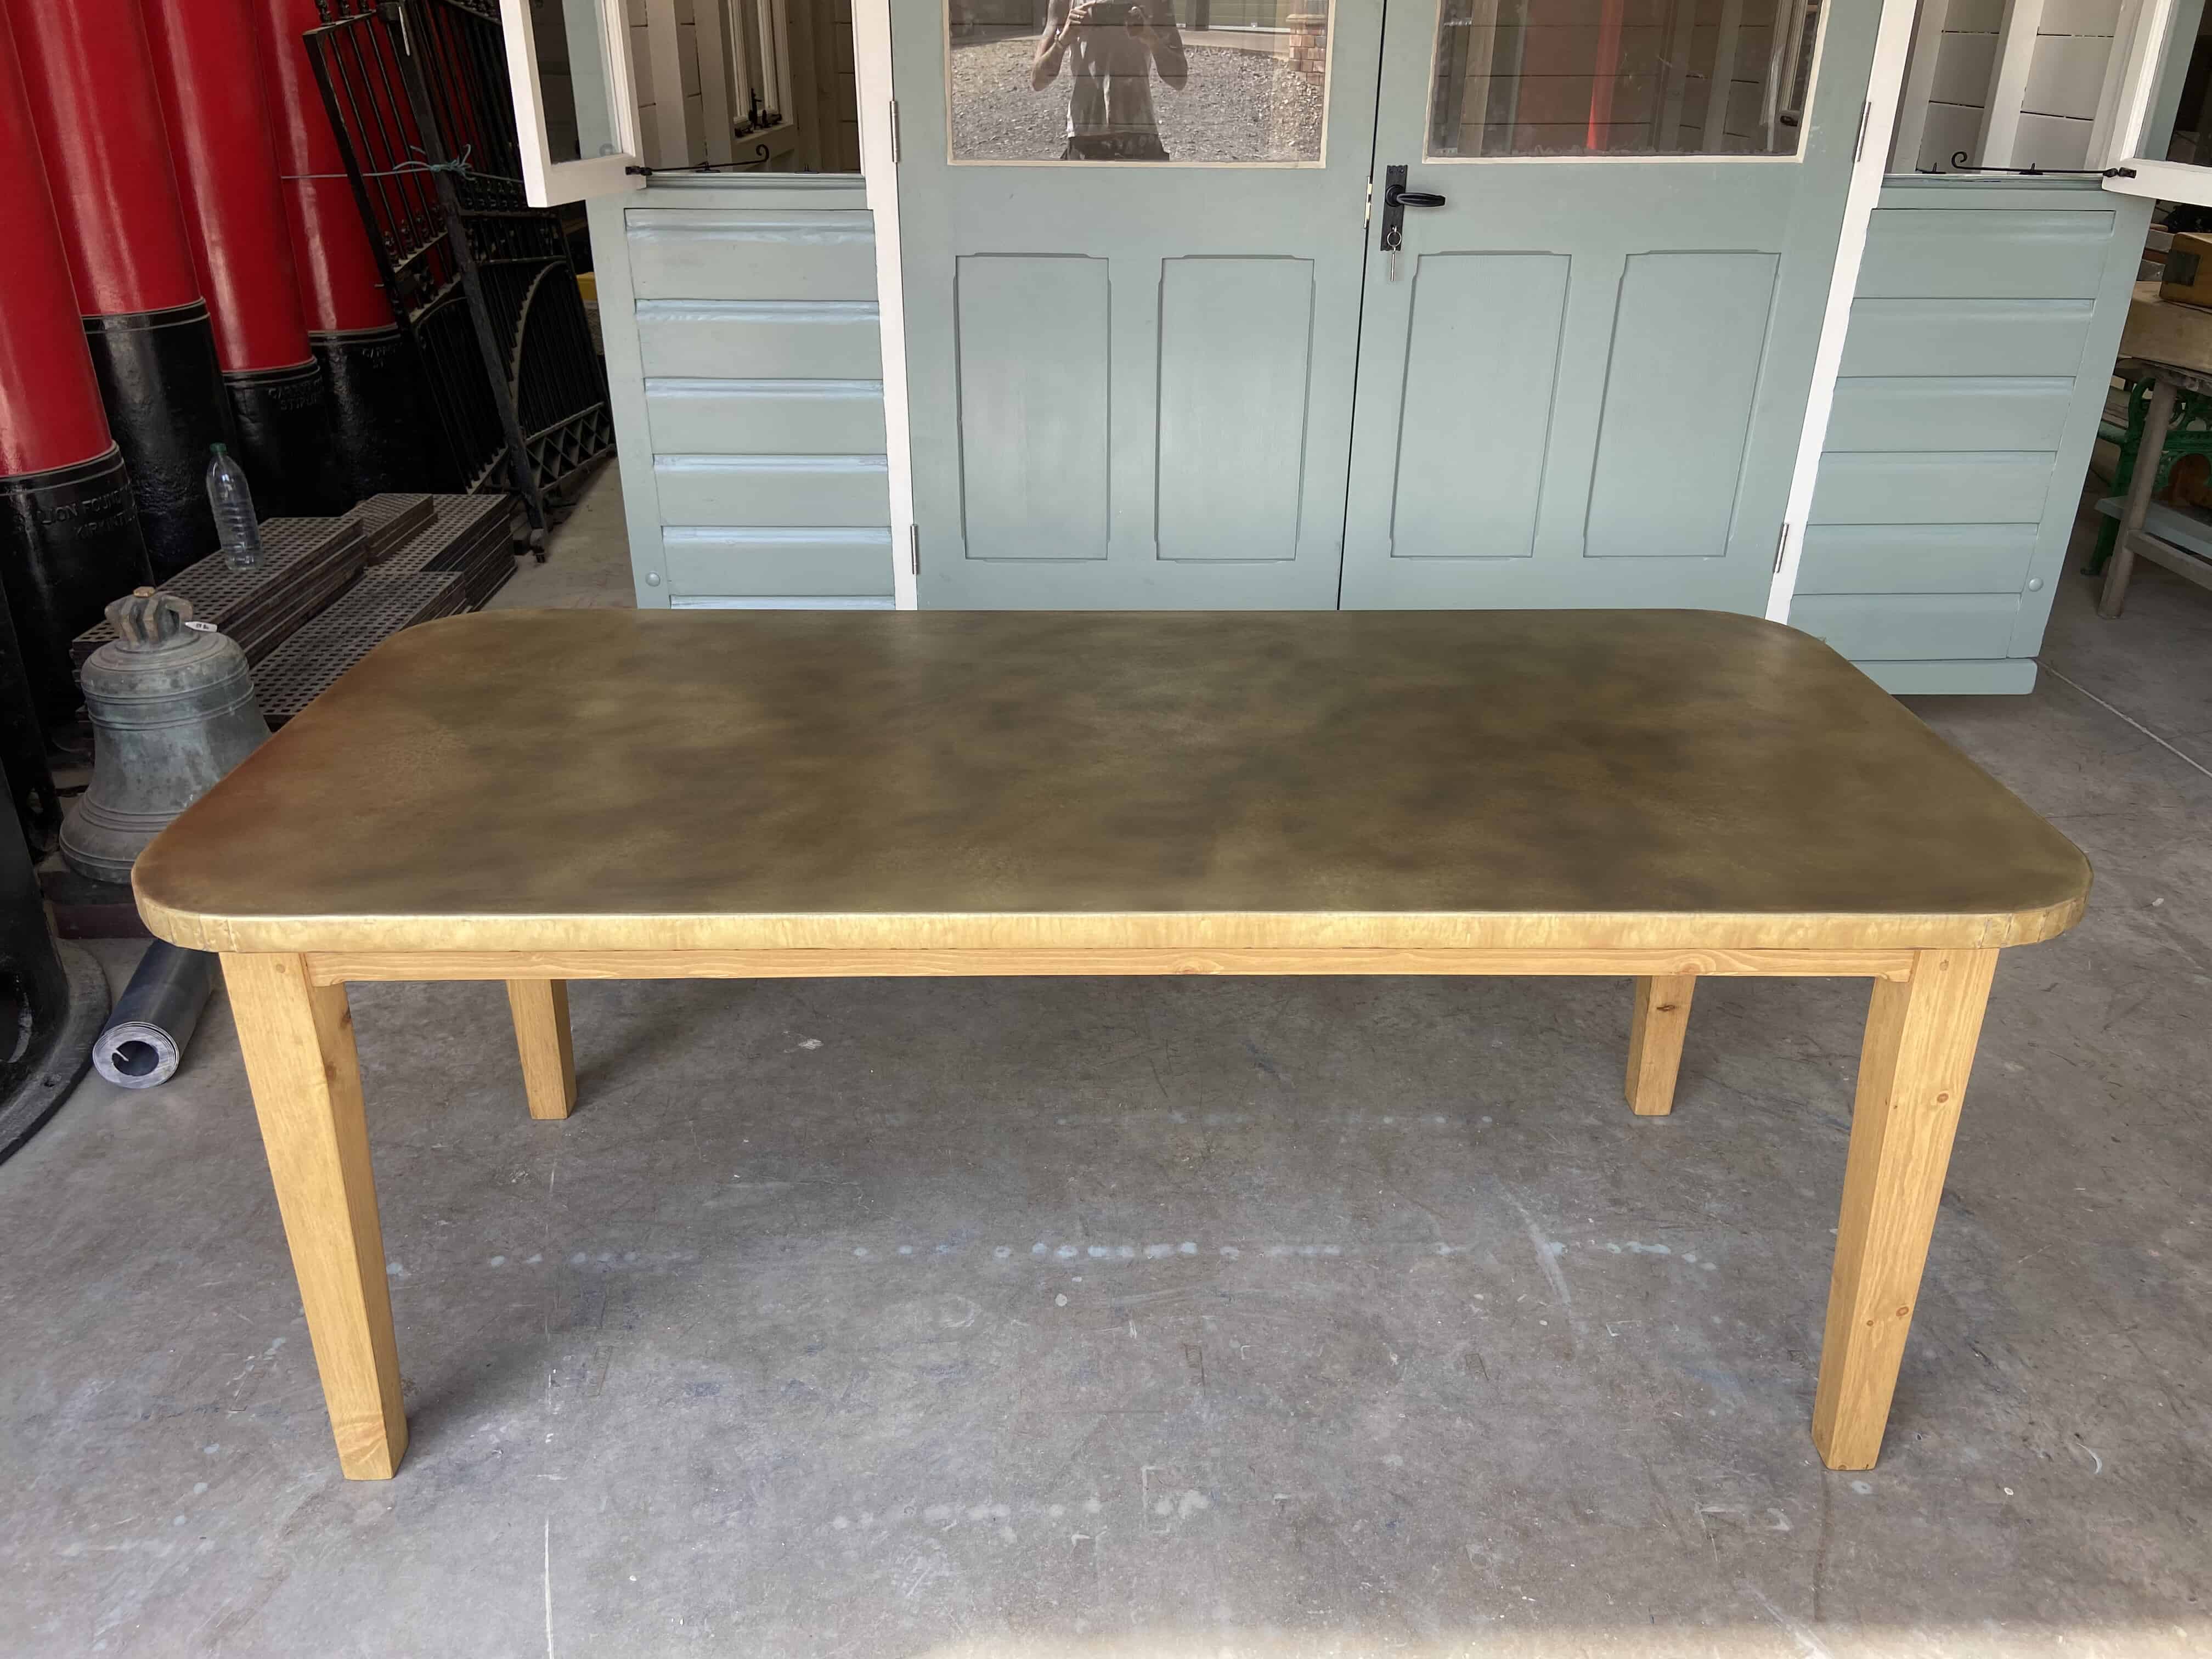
[343, 967]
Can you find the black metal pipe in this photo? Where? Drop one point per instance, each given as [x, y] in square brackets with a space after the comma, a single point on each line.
[166, 405]
[69, 542]
[285, 439]
[372, 384]
[52, 998]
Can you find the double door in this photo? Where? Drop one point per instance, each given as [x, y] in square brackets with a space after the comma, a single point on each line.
[1444, 303]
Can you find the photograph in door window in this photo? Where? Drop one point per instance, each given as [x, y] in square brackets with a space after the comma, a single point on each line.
[1622, 77]
[1219, 81]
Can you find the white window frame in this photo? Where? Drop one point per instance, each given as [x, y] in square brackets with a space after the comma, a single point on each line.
[2142, 46]
[547, 182]
[2131, 94]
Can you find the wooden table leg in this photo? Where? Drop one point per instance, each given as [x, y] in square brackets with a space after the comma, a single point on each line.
[1654, 1042]
[298, 1039]
[2114, 597]
[541, 1032]
[1920, 1038]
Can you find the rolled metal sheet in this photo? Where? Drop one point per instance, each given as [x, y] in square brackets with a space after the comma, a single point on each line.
[155, 1017]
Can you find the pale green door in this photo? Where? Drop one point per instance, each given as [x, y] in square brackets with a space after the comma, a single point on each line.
[1585, 382]
[1157, 356]
[1130, 379]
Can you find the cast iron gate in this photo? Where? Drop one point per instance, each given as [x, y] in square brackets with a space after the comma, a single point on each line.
[417, 91]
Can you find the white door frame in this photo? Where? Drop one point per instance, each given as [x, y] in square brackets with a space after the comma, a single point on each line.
[872, 63]
[872, 54]
[1892, 42]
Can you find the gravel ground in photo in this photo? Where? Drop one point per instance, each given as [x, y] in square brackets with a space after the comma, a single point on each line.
[1237, 106]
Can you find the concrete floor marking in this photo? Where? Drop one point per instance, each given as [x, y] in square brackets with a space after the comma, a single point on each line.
[1547, 1257]
[2182, 755]
[1800, 1633]
[1550, 1251]
[999, 1515]
[549, 1586]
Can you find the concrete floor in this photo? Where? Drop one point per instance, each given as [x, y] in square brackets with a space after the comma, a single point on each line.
[588, 561]
[1180, 1318]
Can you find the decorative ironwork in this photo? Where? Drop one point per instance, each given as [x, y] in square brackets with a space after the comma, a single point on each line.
[418, 91]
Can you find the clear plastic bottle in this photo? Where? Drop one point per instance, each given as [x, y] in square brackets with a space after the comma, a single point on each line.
[237, 528]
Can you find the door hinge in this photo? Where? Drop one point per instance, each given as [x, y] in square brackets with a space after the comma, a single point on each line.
[913, 549]
[1367, 214]
[1866, 115]
[895, 133]
[1781, 545]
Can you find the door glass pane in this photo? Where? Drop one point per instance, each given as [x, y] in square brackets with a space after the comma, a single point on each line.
[1622, 77]
[1138, 80]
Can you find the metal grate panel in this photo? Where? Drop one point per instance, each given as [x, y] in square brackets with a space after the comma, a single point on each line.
[310, 662]
[389, 521]
[457, 522]
[304, 563]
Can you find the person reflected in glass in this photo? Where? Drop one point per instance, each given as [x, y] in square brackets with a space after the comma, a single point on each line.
[1111, 48]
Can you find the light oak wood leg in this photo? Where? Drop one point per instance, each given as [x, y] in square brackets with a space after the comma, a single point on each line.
[1920, 1039]
[298, 1039]
[541, 1032]
[1654, 1042]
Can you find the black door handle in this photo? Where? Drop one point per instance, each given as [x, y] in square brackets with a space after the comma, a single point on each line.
[1396, 198]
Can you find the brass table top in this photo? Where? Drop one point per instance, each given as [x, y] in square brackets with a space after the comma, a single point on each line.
[617, 779]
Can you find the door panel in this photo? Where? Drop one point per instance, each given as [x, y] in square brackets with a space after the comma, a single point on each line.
[1992, 254]
[768, 339]
[1967, 336]
[1483, 361]
[1663, 158]
[1034, 366]
[1974, 487]
[1131, 381]
[1235, 340]
[1688, 333]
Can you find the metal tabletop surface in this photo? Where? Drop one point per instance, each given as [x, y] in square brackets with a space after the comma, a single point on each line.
[698, 780]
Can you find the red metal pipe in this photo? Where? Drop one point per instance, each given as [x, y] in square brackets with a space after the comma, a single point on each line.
[204, 63]
[50, 411]
[339, 285]
[70, 539]
[90, 75]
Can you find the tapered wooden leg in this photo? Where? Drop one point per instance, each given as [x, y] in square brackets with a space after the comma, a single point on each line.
[1920, 1038]
[298, 1039]
[541, 1032]
[1654, 1042]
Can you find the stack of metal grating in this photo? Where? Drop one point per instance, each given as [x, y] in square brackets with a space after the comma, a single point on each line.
[329, 591]
[306, 564]
[454, 563]
[472, 536]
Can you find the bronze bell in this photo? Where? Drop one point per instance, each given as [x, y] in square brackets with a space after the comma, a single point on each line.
[173, 710]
